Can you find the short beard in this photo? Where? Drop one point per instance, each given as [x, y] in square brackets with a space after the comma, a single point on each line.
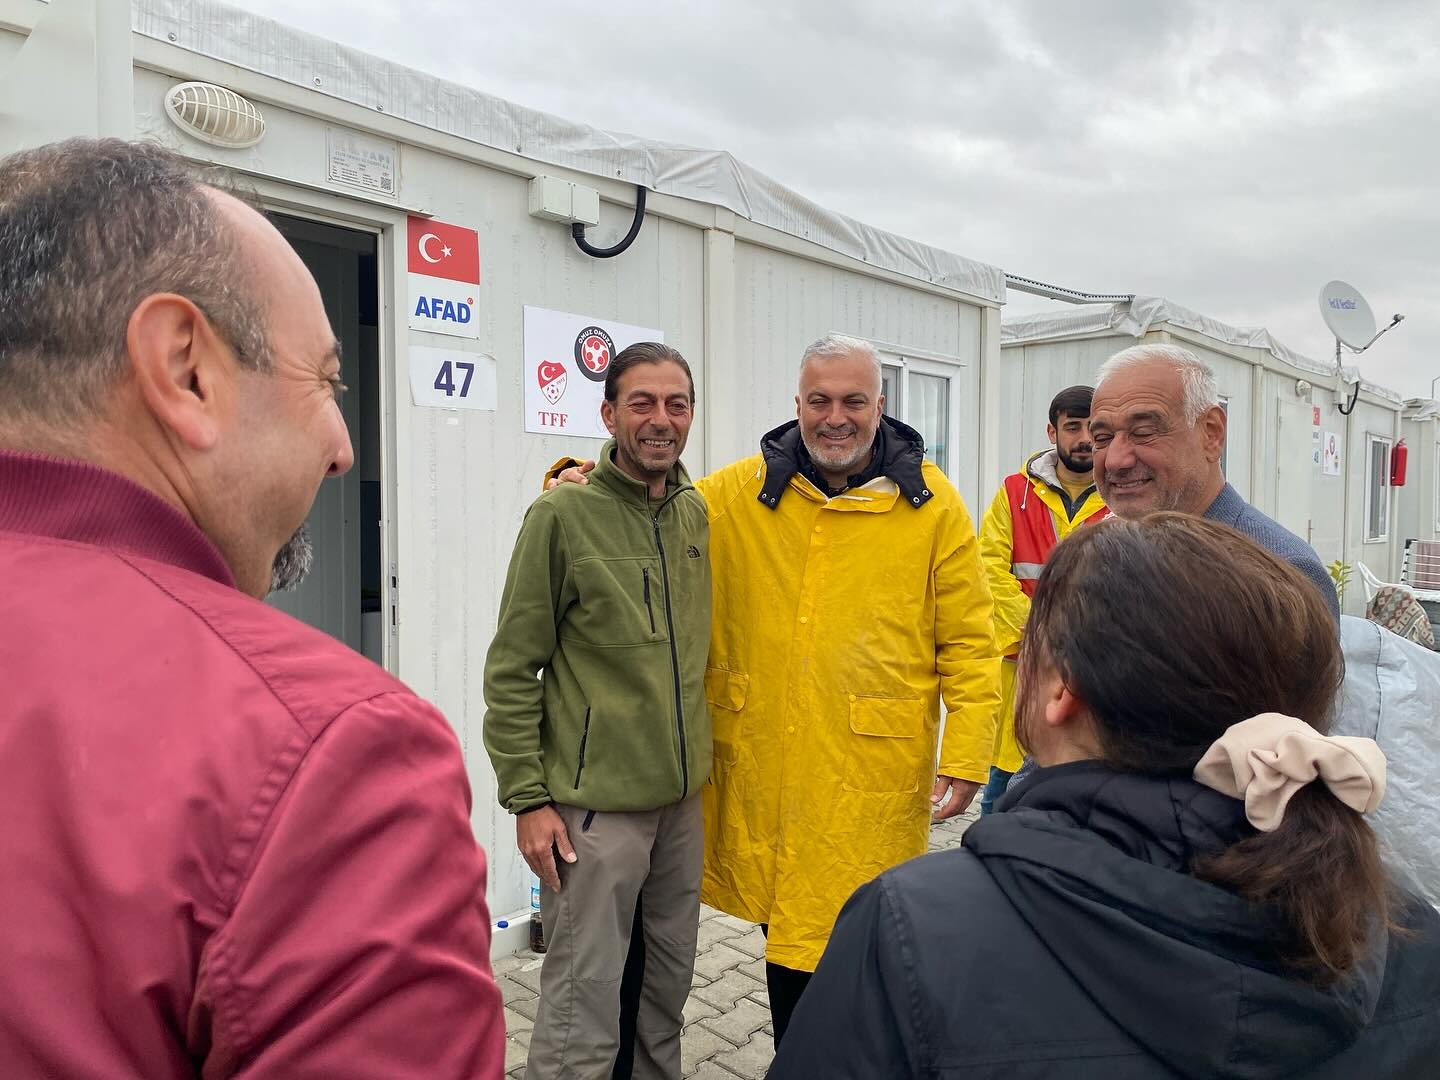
[1073, 465]
[293, 561]
[855, 463]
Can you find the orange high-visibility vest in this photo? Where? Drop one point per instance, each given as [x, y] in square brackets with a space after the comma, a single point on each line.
[1032, 531]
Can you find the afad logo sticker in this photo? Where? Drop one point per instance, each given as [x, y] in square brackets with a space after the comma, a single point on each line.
[593, 350]
[437, 307]
[552, 379]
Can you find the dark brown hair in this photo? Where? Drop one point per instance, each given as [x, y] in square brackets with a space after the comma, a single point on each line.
[1073, 401]
[88, 229]
[1170, 629]
[643, 352]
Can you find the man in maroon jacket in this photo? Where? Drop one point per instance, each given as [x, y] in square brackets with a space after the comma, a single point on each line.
[227, 843]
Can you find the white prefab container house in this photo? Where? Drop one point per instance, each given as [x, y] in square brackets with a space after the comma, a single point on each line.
[1418, 513]
[369, 167]
[1308, 447]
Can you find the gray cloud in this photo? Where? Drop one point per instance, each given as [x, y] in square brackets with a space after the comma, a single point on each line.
[1232, 156]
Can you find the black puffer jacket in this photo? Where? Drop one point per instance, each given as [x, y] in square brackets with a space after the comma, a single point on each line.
[1065, 940]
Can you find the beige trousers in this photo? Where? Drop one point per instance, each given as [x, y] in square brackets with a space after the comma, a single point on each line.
[619, 856]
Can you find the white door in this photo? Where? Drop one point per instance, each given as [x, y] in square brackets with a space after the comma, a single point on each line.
[1294, 467]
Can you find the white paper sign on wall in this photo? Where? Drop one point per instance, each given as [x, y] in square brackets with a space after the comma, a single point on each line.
[452, 379]
[1330, 448]
[566, 358]
[444, 266]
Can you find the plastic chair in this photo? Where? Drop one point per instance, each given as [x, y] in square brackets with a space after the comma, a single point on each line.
[1373, 584]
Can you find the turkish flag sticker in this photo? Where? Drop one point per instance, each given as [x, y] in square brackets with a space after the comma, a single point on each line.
[444, 251]
[553, 379]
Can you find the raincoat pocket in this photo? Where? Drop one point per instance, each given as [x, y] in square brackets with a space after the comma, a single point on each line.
[725, 691]
[886, 751]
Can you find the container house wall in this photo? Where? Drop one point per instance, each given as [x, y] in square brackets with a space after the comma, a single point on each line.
[459, 481]
[1418, 502]
[784, 301]
[1033, 372]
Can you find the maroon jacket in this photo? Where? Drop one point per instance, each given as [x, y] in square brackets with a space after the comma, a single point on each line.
[228, 844]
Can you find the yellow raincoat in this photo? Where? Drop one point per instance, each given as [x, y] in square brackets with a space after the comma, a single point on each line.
[839, 624]
[1012, 606]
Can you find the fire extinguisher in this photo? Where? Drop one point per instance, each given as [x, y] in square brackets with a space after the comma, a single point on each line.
[1398, 458]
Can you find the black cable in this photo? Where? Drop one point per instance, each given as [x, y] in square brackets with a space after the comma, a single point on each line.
[577, 230]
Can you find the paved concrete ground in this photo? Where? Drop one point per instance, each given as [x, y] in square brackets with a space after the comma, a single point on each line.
[727, 1019]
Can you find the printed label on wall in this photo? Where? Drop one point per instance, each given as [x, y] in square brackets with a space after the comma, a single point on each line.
[452, 379]
[566, 358]
[1330, 449]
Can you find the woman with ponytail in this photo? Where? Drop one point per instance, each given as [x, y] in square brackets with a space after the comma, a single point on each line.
[1186, 887]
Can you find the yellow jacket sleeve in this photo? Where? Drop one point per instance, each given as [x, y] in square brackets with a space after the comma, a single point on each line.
[965, 655]
[1012, 606]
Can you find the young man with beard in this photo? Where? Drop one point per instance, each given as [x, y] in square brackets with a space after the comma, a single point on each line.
[601, 758]
[1033, 511]
[849, 602]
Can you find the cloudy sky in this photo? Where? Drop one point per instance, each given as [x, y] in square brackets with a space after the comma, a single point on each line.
[1232, 156]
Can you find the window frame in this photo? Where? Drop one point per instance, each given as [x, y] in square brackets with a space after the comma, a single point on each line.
[904, 367]
[1372, 440]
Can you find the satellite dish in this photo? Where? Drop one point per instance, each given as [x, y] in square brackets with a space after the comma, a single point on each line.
[1347, 314]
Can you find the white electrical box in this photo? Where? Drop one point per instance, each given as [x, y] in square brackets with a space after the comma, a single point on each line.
[550, 198]
[553, 199]
[585, 205]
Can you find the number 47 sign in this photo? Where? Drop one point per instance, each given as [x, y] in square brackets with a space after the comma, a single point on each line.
[451, 379]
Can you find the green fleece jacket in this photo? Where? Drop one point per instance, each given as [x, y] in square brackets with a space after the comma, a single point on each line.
[608, 601]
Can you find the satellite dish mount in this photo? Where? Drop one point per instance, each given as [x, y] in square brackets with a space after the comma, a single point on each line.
[1349, 318]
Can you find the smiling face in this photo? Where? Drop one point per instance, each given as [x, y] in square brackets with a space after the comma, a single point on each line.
[650, 419]
[1071, 436]
[839, 408]
[285, 434]
[1146, 456]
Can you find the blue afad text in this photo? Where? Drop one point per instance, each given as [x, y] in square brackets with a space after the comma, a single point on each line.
[433, 307]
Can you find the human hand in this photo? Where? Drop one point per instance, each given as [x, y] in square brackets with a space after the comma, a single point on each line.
[538, 834]
[575, 474]
[961, 792]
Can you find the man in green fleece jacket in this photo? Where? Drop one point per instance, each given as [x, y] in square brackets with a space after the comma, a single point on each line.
[601, 756]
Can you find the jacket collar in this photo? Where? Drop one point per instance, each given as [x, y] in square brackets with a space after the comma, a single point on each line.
[1163, 821]
[85, 504]
[626, 488]
[899, 454]
[1043, 470]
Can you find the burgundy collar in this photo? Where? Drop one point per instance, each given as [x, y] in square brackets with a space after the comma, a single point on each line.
[85, 504]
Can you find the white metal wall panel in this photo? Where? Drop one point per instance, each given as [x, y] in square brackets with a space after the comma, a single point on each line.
[784, 301]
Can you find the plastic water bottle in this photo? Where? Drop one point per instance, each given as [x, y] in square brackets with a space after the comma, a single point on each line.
[537, 930]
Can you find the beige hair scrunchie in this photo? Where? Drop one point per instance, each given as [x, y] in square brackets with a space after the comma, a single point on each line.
[1266, 759]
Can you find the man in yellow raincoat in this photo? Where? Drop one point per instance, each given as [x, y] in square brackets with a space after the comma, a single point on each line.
[849, 600]
[1052, 495]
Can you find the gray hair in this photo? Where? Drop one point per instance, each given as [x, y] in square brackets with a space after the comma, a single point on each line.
[88, 229]
[1197, 381]
[834, 346]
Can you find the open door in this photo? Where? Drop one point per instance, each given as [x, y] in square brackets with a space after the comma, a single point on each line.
[343, 593]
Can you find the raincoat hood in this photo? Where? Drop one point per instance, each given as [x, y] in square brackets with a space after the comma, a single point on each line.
[1095, 862]
[900, 447]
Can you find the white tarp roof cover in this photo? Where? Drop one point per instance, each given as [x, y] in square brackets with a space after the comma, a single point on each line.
[1144, 313]
[262, 45]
